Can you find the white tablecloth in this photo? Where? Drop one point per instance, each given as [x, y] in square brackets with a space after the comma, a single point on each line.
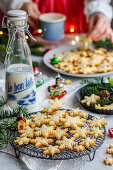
[70, 102]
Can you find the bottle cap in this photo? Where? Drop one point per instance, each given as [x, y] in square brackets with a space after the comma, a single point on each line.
[16, 17]
[16, 13]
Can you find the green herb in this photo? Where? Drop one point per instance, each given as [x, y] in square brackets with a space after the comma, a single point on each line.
[106, 86]
[96, 81]
[95, 86]
[5, 137]
[107, 44]
[110, 80]
[89, 90]
[37, 45]
[35, 64]
[111, 97]
[92, 105]
[15, 113]
[7, 121]
[37, 52]
[2, 101]
[104, 101]
[5, 133]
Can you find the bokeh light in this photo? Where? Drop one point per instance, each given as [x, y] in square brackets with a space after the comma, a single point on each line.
[77, 38]
[39, 31]
[27, 37]
[1, 32]
[72, 29]
[73, 42]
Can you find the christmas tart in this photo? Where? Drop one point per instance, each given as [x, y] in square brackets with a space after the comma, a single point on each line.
[97, 95]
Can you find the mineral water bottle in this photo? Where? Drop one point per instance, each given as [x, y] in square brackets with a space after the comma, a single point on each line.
[20, 84]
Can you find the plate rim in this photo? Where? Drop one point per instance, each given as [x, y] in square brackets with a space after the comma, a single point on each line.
[69, 48]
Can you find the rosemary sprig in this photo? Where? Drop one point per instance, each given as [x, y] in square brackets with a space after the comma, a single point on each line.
[5, 137]
[7, 121]
[96, 81]
[104, 101]
[2, 101]
[89, 90]
[107, 44]
[15, 113]
[5, 133]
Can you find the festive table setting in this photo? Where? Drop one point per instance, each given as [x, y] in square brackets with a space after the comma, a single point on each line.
[56, 121]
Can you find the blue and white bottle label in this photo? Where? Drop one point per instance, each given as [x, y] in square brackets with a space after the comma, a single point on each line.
[20, 86]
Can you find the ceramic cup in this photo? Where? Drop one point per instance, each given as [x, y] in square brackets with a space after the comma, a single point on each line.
[52, 25]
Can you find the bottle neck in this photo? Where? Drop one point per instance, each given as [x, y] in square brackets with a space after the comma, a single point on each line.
[18, 51]
[20, 33]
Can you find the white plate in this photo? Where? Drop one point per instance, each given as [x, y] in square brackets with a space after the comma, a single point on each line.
[51, 53]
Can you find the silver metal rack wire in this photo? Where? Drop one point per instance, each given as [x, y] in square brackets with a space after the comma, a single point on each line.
[64, 154]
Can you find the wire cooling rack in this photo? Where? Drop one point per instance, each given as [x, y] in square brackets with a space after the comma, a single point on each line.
[64, 154]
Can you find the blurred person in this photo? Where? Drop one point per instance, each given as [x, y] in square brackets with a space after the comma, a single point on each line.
[92, 16]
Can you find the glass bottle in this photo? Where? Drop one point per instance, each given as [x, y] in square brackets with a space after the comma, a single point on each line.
[20, 84]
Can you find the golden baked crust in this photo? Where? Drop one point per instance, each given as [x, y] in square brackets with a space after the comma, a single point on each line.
[97, 132]
[80, 132]
[97, 123]
[108, 161]
[66, 143]
[87, 142]
[88, 100]
[85, 61]
[51, 150]
[110, 149]
[58, 129]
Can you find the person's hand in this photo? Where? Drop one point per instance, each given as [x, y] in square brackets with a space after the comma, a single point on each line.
[32, 9]
[99, 27]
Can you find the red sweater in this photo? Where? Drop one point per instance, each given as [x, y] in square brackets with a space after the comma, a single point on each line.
[73, 9]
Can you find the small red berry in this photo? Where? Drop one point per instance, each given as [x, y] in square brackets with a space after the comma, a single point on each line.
[47, 50]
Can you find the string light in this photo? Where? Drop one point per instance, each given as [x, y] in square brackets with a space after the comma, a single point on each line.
[27, 37]
[72, 29]
[73, 42]
[39, 31]
[77, 38]
[1, 32]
